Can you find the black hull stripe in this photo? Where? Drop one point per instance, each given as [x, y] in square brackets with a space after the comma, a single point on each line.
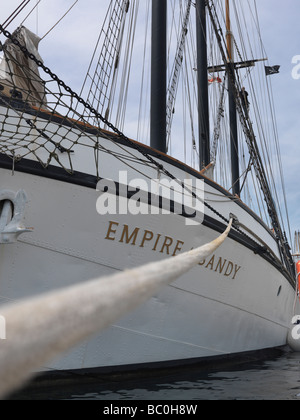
[89, 181]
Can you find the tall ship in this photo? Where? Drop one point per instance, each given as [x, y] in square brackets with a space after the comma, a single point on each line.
[82, 197]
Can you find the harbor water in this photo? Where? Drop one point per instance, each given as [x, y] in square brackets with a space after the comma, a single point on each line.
[275, 378]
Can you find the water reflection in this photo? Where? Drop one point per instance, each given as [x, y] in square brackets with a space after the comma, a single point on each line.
[276, 379]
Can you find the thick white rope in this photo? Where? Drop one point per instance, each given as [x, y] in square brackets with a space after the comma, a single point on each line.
[41, 328]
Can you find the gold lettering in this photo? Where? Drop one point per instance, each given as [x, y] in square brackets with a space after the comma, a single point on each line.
[236, 270]
[220, 266]
[211, 263]
[156, 243]
[229, 269]
[110, 231]
[223, 266]
[168, 242]
[146, 237]
[178, 247]
[130, 238]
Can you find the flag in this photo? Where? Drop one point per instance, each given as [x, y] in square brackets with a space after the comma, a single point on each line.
[214, 79]
[272, 70]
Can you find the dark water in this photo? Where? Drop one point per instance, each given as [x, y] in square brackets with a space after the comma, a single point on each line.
[277, 378]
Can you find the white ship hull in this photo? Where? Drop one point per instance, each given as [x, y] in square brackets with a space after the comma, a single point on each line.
[236, 301]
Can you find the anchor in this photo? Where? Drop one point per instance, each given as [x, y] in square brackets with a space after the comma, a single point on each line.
[12, 211]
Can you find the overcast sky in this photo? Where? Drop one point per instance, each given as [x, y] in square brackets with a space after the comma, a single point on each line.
[281, 34]
[68, 49]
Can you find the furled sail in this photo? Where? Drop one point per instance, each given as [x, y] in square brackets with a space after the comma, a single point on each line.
[21, 73]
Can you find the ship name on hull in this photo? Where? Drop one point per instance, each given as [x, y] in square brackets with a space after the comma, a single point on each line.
[167, 245]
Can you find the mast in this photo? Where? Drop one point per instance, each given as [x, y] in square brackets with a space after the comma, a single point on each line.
[203, 101]
[158, 118]
[234, 145]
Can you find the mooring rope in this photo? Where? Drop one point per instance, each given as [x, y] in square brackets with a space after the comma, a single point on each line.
[41, 328]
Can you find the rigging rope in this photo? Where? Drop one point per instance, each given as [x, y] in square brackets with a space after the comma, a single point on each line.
[218, 124]
[31, 11]
[254, 150]
[110, 38]
[16, 13]
[54, 26]
[174, 79]
[59, 133]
